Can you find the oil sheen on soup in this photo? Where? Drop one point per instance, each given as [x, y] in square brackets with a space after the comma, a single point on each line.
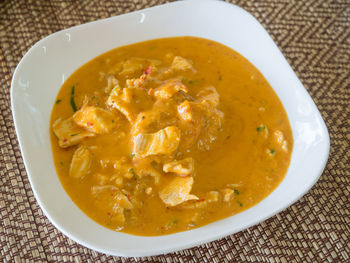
[168, 135]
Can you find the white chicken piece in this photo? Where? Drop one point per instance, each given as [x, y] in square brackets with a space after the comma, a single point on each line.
[227, 194]
[112, 82]
[193, 204]
[191, 122]
[165, 141]
[96, 190]
[186, 111]
[111, 199]
[68, 133]
[281, 141]
[133, 66]
[129, 101]
[159, 117]
[180, 63]
[101, 179]
[112, 191]
[182, 167]
[212, 125]
[124, 168]
[96, 120]
[81, 162]
[123, 201]
[168, 89]
[209, 94]
[201, 122]
[144, 167]
[177, 191]
[148, 190]
[136, 83]
[207, 99]
[236, 185]
[212, 196]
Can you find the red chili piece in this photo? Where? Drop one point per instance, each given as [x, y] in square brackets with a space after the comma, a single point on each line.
[148, 70]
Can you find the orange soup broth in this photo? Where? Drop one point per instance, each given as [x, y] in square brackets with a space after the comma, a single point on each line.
[240, 156]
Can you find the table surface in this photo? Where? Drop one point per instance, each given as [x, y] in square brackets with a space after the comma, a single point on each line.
[314, 35]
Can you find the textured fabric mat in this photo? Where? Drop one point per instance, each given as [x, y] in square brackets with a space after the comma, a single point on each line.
[314, 36]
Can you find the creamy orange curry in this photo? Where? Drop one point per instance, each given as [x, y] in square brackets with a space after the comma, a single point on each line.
[168, 135]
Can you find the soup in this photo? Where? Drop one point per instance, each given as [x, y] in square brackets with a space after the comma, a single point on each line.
[168, 135]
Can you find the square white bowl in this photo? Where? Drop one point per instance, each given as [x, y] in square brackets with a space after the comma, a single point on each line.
[49, 62]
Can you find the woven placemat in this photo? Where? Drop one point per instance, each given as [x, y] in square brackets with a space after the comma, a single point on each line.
[315, 38]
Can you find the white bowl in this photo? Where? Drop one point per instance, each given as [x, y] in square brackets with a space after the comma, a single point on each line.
[49, 62]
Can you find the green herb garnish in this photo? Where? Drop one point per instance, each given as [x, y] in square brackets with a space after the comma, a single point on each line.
[72, 102]
[182, 79]
[75, 134]
[236, 192]
[191, 82]
[260, 128]
[272, 152]
[239, 203]
[173, 222]
[112, 121]
[58, 101]
[131, 170]
[132, 154]
[116, 87]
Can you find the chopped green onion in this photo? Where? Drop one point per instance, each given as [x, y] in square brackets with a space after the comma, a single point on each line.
[75, 134]
[191, 82]
[236, 192]
[72, 102]
[260, 128]
[173, 222]
[131, 170]
[272, 152]
[239, 203]
[58, 101]
[116, 87]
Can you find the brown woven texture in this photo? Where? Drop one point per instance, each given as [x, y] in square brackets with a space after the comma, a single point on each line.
[315, 38]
